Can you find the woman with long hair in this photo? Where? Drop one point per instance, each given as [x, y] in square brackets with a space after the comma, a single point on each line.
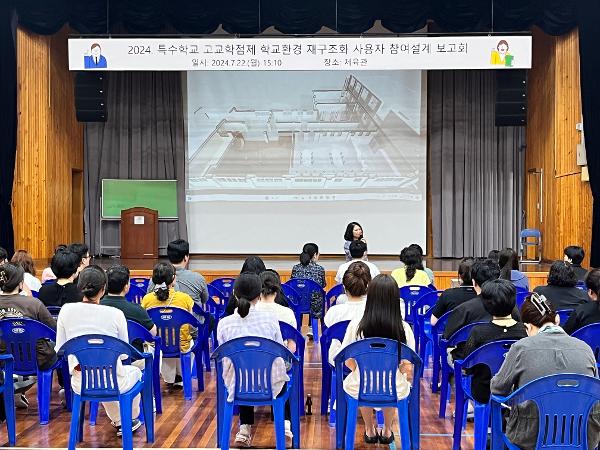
[382, 319]
[310, 269]
[413, 272]
[354, 232]
[25, 260]
[165, 296]
[508, 260]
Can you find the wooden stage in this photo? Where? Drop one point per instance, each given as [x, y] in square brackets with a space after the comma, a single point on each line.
[192, 424]
[212, 267]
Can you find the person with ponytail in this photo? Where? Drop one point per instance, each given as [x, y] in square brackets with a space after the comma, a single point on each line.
[308, 268]
[250, 320]
[90, 317]
[508, 260]
[165, 296]
[382, 319]
[547, 350]
[589, 312]
[412, 273]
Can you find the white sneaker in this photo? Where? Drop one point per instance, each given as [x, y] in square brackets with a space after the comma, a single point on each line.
[289, 436]
[243, 438]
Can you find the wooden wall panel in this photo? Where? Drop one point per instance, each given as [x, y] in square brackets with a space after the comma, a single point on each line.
[49, 144]
[554, 110]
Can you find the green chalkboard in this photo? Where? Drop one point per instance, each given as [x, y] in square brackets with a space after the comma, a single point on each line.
[154, 194]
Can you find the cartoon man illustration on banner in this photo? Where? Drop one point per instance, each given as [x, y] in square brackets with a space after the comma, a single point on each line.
[95, 59]
[501, 56]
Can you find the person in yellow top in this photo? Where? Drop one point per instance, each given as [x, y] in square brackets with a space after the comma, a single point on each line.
[163, 296]
[412, 273]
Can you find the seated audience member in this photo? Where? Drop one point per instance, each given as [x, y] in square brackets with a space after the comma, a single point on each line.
[47, 274]
[354, 232]
[453, 297]
[271, 289]
[83, 252]
[3, 256]
[508, 260]
[188, 281]
[358, 250]
[499, 300]
[561, 290]
[356, 281]
[164, 295]
[427, 270]
[253, 264]
[117, 287]
[589, 312]
[382, 319]
[90, 317]
[412, 273]
[308, 268]
[13, 305]
[547, 351]
[248, 320]
[574, 255]
[473, 310]
[24, 259]
[65, 265]
[494, 255]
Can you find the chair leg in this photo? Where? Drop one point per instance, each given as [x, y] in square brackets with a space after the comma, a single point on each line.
[44, 389]
[295, 406]
[206, 354]
[125, 407]
[147, 411]
[435, 376]
[351, 413]
[482, 420]
[200, 374]
[332, 402]
[156, 383]
[81, 422]
[11, 420]
[496, 413]
[460, 412]
[341, 408]
[75, 415]
[186, 374]
[444, 393]
[66, 376]
[315, 329]
[301, 388]
[226, 426]
[93, 412]
[278, 413]
[403, 418]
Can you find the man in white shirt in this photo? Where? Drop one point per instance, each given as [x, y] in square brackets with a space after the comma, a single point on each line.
[358, 251]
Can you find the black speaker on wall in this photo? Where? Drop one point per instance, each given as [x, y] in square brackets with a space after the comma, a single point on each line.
[511, 97]
[90, 96]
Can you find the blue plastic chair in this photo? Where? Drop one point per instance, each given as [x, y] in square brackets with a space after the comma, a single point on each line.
[289, 332]
[590, 334]
[140, 282]
[7, 390]
[215, 304]
[333, 293]
[421, 311]
[409, 295]
[492, 355]
[97, 356]
[437, 331]
[531, 237]
[204, 317]
[564, 314]
[458, 337]
[136, 294]
[294, 299]
[252, 358]
[521, 297]
[53, 310]
[35, 294]
[564, 402]
[328, 383]
[306, 288]
[224, 285]
[378, 359]
[168, 323]
[135, 332]
[20, 337]
[581, 285]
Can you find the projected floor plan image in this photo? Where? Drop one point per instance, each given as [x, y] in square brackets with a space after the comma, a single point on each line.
[294, 136]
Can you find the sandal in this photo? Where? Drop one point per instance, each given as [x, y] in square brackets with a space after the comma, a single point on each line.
[386, 440]
[371, 439]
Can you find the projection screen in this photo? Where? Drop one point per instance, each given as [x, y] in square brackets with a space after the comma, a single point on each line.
[277, 159]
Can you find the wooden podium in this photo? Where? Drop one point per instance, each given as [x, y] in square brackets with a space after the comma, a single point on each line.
[139, 233]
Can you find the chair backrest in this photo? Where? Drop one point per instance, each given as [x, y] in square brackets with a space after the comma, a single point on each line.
[292, 295]
[580, 285]
[377, 360]
[531, 233]
[204, 319]
[426, 302]
[491, 354]
[224, 285]
[218, 300]
[35, 294]
[53, 310]
[521, 297]
[137, 331]
[335, 331]
[97, 356]
[135, 294]
[590, 334]
[437, 330]
[140, 282]
[410, 295]
[252, 359]
[461, 335]
[306, 288]
[333, 293]
[564, 403]
[20, 336]
[289, 332]
[168, 321]
[564, 315]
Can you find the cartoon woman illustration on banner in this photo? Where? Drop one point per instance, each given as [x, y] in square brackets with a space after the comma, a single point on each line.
[500, 56]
